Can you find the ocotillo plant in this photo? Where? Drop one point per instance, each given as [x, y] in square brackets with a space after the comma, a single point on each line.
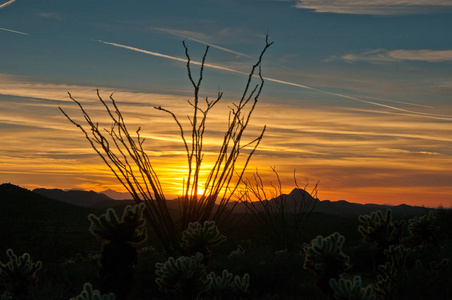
[18, 275]
[119, 254]
[182, 278]
[325, 258]
[89, 293]
[125, 156]
[282, 217]
[197, 238]
[345, 289]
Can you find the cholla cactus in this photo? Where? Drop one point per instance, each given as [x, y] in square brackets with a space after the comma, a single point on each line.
[423, 229]
[197, 238]
[345, 289]
[399, 278]
[392, 271]
[227, 285]
[380, 230]
[89, 294]
[119, 253]
[18, 276]
[237, 253]
[128, 229]
[413, 281]
[240, 285]
[325, 258]
[182, 278]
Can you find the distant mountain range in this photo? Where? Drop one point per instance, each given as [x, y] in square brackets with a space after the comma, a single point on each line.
[293, 201]
[79, 197]
[297, 197]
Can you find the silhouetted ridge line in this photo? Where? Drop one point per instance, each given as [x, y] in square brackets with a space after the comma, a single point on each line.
[80, 198]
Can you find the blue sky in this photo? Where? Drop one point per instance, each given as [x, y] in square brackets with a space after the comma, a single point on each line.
[357, 93]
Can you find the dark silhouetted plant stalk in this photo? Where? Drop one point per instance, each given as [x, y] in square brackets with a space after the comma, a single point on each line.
[125, 156]
[283, 217]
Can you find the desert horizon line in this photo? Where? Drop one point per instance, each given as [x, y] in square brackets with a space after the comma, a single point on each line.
[109, 193]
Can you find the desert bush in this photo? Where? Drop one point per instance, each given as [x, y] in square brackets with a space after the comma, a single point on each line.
[281, 218]
[120, 238]
[18, 275]
[125, 156]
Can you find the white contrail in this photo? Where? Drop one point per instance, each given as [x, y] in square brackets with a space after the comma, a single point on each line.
[14, 31]
[400, 102]
[406, 111]
[174, 32]
[7, 3]
[184, 60]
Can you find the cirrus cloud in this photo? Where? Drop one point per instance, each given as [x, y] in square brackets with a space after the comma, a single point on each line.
[375, 7]
[384, 56]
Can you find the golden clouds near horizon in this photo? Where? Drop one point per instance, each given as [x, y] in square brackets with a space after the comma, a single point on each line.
[357, 154]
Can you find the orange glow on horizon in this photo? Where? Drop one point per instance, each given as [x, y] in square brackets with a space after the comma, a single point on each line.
[358, 155]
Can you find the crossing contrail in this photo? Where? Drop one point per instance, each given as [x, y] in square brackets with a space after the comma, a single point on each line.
[14, 31]
[7, 3]
[399, 102]
[213, 66]
[184, 60]
[187, 36]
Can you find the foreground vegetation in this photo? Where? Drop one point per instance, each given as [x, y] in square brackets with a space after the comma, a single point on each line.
[377, 256]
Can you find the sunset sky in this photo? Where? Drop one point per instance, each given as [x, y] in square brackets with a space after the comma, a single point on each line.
[357, 94]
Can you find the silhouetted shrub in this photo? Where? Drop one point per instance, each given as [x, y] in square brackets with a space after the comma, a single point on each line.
[282, 218]
[126, 157]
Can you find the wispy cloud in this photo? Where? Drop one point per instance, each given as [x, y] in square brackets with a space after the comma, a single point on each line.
[192, 36]
[386, 56]
[7, 3]
[218, 67]
[14, 31]
[404, 151]
[48, 15]
[374, 7]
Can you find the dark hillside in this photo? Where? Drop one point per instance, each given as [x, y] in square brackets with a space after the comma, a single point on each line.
[44, 227]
